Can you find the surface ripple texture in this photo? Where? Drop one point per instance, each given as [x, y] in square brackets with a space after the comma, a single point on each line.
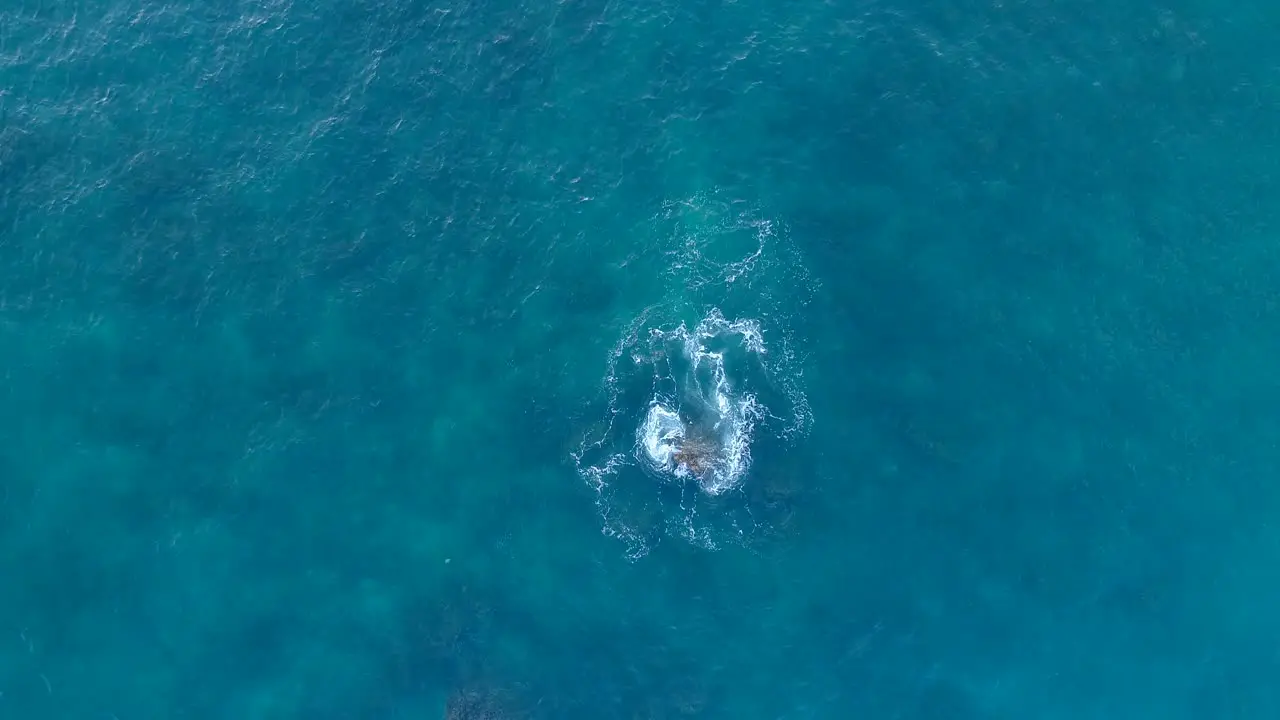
[593, 360]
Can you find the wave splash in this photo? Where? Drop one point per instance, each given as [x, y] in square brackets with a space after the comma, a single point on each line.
[688, 405]
[699, 425]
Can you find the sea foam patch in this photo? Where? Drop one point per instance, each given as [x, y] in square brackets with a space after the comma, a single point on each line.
[688, 401]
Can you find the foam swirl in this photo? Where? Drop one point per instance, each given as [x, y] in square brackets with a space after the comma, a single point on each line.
[687, 402]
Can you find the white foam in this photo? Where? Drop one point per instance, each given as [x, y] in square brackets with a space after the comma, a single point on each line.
[711, 412]
[659, 437]
[670, 384]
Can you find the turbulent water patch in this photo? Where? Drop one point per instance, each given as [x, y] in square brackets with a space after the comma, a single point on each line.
[698, 425]
[691, 394]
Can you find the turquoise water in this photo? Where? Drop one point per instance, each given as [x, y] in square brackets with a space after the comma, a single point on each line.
[329, 333]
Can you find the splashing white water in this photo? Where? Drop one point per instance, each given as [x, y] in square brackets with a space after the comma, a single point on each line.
[686, 402]
[703, 430]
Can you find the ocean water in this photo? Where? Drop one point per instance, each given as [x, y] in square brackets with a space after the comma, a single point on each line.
[672, 359]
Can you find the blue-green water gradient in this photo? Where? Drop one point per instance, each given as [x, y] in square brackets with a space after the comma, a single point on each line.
[321, 324]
